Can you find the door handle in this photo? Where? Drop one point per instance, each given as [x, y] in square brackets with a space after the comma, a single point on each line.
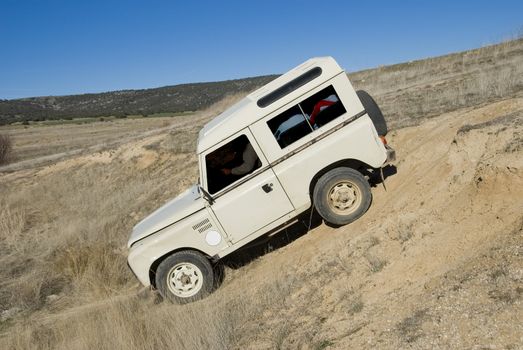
[267, 188]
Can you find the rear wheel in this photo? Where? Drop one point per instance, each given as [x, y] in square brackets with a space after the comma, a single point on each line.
[184, 277]
[342, 195]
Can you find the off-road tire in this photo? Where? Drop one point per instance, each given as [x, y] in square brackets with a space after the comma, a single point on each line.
[341, 196]
[374, 112]
[183, 270]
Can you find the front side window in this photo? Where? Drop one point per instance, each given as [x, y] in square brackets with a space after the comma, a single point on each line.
[308, 115]
[229, 163]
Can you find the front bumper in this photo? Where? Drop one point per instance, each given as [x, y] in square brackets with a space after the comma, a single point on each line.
[139, 265]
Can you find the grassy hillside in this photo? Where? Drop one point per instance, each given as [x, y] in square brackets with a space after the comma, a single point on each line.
[460, 79]
[173, 99]
[411, 92]
[435, 262]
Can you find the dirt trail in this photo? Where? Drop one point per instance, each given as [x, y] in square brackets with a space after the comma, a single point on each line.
[179, 124]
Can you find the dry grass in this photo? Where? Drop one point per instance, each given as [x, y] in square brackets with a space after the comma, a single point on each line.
[409, 93]
[132, 323]
[63, 248]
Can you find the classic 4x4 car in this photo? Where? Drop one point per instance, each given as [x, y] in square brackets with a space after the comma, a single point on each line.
[305, 139]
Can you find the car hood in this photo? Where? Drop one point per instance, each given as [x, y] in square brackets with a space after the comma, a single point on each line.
[180, 207]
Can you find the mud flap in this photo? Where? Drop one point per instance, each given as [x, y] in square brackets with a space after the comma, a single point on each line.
[382, 179]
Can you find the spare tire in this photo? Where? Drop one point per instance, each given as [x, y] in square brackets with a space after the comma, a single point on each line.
[374, 112]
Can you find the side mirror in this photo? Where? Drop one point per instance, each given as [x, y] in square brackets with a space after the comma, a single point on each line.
[206, 195]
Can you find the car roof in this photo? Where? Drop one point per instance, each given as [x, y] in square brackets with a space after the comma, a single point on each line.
[248, 110]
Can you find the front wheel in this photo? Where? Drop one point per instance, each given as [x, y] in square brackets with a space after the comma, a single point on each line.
[184, 277]
[342, 195]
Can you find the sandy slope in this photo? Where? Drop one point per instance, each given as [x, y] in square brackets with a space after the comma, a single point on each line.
[457, 198]
[437, 260]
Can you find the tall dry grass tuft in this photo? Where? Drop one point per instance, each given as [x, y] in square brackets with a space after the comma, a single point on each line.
[11, 228]
[6, 147]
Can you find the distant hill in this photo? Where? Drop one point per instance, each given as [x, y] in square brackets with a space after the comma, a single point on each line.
[177, 98]
[451, 81]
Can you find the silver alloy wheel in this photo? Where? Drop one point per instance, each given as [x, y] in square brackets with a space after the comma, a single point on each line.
[185, 280]
[344, 197]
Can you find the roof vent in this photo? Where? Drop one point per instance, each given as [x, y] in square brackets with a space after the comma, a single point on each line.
[289, 87]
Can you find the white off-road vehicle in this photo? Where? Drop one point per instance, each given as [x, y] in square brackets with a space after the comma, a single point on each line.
[305, 139]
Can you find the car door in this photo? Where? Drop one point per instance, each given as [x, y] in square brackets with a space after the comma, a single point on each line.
[249, 199]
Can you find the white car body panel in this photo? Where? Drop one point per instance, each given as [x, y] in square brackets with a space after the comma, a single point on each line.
[144, 253]
[183, 205]
[359, 143]
[244, 210]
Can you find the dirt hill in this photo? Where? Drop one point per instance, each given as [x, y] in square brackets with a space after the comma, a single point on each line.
[435, 262]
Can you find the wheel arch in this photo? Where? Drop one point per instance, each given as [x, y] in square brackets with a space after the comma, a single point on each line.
[157, 262]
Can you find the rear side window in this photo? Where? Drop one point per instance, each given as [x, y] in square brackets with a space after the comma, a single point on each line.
[306, 116]
[289, 126]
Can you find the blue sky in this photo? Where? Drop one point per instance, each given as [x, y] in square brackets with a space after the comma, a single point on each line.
[68, 47]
